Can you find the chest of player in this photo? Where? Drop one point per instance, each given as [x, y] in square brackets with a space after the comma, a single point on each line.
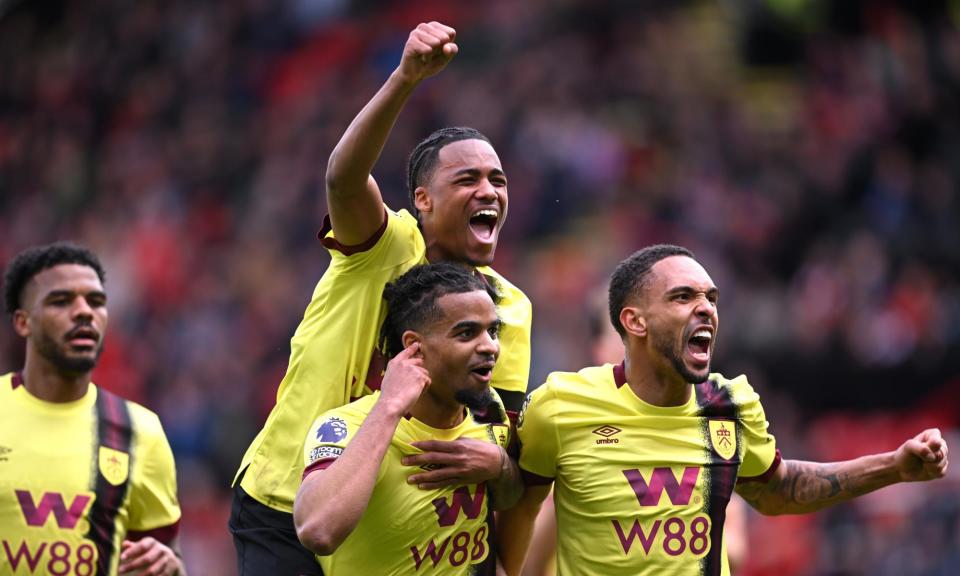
[654, 462]
[442, 531]
[52, 469]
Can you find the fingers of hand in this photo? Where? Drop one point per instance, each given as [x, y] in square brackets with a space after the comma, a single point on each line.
[143, 557]
[436, 478]
[438, 446]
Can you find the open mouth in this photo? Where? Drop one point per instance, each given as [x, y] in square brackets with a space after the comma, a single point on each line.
[84, 338]
[483, 372]
[699, 345]
[483, 223]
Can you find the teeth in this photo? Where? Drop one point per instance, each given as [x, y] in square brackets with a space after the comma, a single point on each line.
[489, 213]
[703, 333]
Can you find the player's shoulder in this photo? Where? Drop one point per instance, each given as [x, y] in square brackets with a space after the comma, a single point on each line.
[144, 421]
[508, 290]
[6, 383]
[354, 412]
[738, 387]
[591, 381]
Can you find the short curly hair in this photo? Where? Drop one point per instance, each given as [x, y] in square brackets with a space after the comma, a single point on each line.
[32, 261]
[423, 158]
[633, 275]
[412, 299]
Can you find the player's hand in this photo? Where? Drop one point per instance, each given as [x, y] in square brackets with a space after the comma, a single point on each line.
[404, 380]
[461, 461]
[923, 457]
[429, 48]
[148, 557]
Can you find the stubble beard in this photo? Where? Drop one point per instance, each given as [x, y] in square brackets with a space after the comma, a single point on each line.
[475, 400]
[668, 350]
[54, 353]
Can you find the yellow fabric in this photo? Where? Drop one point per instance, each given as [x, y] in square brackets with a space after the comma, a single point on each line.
[401, 531]
[48, 462]
[332, 348]
[616, 512]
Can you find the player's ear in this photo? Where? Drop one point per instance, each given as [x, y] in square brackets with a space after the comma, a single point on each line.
[633, 321]
[422, 200]
[21, 323]
[409, 337]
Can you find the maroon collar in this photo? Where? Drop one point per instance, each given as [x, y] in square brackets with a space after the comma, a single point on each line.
[620, 374]
[16, 380]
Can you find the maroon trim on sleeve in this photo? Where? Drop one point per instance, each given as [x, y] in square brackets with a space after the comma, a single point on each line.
[163, 534]
[318, 465]
[766, 476]
[332, 244]
[16, 380]
[620, 374]
[531, 479]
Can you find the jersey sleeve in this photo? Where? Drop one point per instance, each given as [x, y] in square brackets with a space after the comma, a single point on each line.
[512, 372]
[327, 439]
[759, 454]
[394, 244]
[154, 510]
[537, 434]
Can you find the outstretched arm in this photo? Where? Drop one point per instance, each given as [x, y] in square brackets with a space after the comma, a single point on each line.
[798, 487]
[324, 522]
[353, 198]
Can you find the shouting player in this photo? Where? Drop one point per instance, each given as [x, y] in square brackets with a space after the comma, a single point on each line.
[646, 454]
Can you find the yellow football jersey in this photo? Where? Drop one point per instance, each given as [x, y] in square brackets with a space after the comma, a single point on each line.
[642, 489]
[406, 530]
[334, 357]
[77, 478]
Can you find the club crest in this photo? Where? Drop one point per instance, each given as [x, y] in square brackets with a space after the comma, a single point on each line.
[114, 465]
[723, 437]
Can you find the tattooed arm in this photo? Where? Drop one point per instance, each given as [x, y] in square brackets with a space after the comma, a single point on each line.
[798, 487]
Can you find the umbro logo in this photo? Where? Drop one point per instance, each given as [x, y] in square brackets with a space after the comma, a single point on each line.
[3, 453]
[607, 431]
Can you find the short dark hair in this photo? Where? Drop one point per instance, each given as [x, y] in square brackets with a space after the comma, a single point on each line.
[32, 261]
[633, 275]
[412, 299]
[423, 159]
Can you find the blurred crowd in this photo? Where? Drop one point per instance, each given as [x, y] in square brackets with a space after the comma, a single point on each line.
[807, 151]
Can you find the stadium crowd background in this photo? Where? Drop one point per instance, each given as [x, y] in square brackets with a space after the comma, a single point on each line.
[807, 151]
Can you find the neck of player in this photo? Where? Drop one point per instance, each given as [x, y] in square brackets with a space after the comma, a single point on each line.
[654, 381]
[438, 412]
[45, 381]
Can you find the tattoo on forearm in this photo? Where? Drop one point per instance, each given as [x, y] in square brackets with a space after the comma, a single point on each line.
[807, 483]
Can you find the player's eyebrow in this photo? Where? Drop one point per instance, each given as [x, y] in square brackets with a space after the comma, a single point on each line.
[61, 293]
[474, 324]
[476, 172]
[712, 291]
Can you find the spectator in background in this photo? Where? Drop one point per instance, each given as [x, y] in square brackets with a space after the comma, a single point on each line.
[57, 427]
[458, 193]
[614, 438]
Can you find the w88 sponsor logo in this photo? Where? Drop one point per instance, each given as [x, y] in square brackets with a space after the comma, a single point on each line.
[455, 551]
[673, 535]
[57, 558]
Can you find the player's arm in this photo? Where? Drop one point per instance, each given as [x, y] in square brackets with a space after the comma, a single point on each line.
[150, 557]
[467, 461]
[330, 502]
[515, 527]
[353, 198]
[798, 487]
